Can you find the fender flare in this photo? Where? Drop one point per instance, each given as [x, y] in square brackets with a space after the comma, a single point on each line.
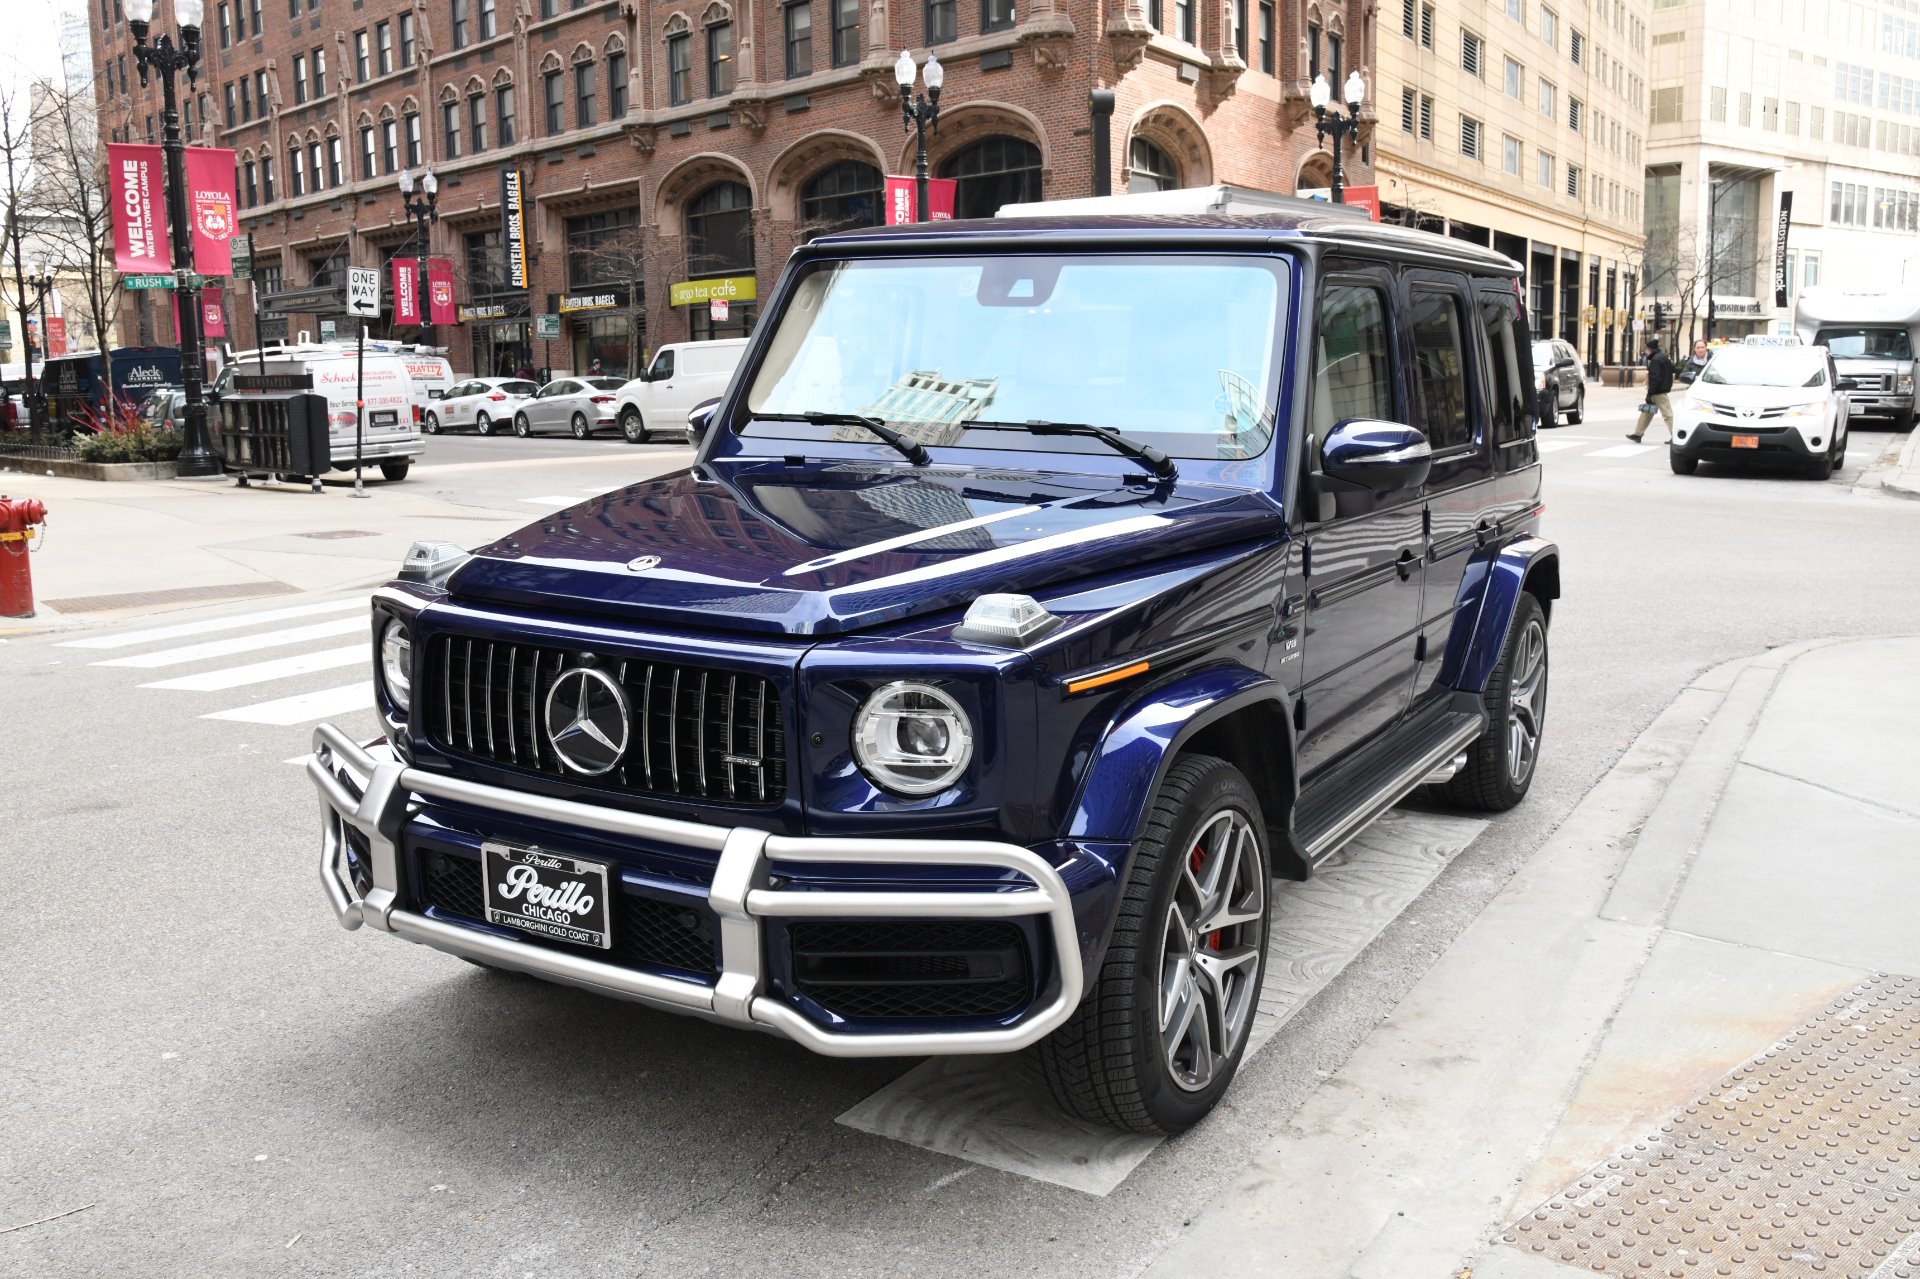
[1143, 739]
[1489, 595]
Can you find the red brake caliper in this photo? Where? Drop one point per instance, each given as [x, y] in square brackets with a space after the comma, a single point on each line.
[1194, 859]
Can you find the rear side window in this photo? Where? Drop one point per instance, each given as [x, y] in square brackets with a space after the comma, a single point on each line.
[1440, 368]
[1353, 373]
[1508, 360]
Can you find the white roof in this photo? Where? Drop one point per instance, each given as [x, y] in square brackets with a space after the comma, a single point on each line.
[1187, 201]
[1833, 305]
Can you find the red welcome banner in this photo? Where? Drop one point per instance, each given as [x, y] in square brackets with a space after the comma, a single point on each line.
[406, 291]
[56, 335]
[440, 291]
[139, 223]
[901, 200]
[210, 208]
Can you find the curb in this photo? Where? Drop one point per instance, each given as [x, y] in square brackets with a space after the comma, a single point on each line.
[76, 470]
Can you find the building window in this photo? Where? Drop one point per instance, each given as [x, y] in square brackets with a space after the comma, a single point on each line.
[1426, 117]
[996, 15]
[1155, 18]
[413, 139]
[319, 73]
[797, 22]
[389, 147]
[583, 95]
[992, 172]
[383, 46]
[362, 67]
[266, 179]
[1510, 154]
[616, 85]
[1470, 53]
[680, 69]
[1549, 100]
[1574, 111]
[226, 27]
[1512, 76]
[260, 93]
[299, 78]
[313, 165]
[333, 161]
[846, 32]
[1183, 20]
[1265, 37]
[503, 114]
[1517, 10]
[367, 161]
[460, 21]
[450, 130]
[477, 121]
[1576, 48]
[233, 117]
[252, 184]
[1334, 64]
[1409, 100]
[549, 9]
[1550, 27]
[1469, 137]
[602, 249]
[942, 19]
[841, 197]
[253, 13]
[720, 59]
[555, 103]
[1426, 26]
[487, 27]
[1573, 181]
[1150, 168]
[1409, 19]
[1543, 169]
[720, 231]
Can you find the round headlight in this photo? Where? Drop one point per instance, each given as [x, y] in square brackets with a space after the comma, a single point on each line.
[912, 739]
[396, 662]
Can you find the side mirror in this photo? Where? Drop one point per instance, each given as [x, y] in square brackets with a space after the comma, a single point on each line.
[1380, 457]
[698, 418]
[1846, 384]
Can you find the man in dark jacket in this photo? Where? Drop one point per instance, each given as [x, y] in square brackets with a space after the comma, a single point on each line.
[1659, 392]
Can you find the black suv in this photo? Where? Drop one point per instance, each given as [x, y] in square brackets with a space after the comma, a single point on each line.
[1042, 590]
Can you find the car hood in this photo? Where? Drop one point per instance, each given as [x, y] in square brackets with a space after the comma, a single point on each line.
[1761, 397]
[827, 548]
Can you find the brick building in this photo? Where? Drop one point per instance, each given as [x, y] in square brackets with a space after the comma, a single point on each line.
[665, 141]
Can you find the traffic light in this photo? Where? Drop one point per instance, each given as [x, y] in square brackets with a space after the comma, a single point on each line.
[1659, 316]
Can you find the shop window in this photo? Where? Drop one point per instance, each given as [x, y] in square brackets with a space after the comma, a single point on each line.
[992, 172]
[1150, 168]
[843, 196]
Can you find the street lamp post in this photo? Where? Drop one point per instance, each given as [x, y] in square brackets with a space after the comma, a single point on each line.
[40, 281]
[423, 209]
[197, 458]
[1339, 124]
[918, 113]
[1720, 188]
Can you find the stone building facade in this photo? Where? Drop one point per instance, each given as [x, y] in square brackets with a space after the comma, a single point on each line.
[664, 141]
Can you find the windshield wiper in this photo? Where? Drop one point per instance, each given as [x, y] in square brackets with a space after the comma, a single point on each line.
[1159, 463]
[912, 450]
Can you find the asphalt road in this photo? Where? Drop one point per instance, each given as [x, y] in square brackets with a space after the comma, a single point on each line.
[192, 1047]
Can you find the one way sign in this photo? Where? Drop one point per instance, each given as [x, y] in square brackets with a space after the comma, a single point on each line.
[363, 291]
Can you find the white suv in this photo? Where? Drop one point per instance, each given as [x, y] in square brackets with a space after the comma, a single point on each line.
[1760, 404]
[682, 375]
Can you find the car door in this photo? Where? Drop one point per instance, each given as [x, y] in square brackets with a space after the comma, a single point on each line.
[1363, 556]
[545, 410]
[662, 393]
[456, 407]
[1567, 365]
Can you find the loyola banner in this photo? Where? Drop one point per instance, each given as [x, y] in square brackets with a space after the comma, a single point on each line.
[901, 199]
[440, 291]
[406, 290]
[139, 222]
[210, 208]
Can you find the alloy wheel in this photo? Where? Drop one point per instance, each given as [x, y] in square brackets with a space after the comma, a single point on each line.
[1526, 701]
[1208, 955]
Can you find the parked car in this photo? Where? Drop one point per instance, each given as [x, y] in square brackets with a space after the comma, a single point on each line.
[1874, 334]
[1561, 385]
[581, 405]
[389, 437]
[972, 688]
[1763, 404]
[682, 375]
[480, 403]
[166, 408]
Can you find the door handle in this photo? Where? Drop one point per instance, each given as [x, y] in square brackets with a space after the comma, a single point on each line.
[1485, 532]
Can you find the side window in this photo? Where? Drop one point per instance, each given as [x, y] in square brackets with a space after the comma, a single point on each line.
[662, 367]
[1352, 373]
[1440, 368]
[1507, 365]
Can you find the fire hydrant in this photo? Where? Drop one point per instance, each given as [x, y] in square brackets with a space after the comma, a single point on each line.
[19, 521]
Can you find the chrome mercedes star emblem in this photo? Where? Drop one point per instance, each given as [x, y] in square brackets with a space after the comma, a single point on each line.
[643, 564]
[587, 720]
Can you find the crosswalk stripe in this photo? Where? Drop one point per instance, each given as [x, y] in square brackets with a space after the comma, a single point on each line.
[1624, 450]
[129, 639]
[1554, 446]
[261, 672]
[568, 500]
[241, 644]
[302, 707]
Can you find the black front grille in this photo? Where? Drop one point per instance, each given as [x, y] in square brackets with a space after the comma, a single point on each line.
[696, 733]
[646, 933]
[920, 969]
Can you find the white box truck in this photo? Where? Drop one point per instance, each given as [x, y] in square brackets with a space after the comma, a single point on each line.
[1872, 335]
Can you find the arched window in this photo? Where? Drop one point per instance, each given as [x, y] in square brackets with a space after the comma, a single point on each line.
[840, 197]
[720, 243]
[1150, 168]
[992, 172]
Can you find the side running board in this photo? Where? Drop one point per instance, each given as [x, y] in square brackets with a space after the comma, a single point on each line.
[1340, 806]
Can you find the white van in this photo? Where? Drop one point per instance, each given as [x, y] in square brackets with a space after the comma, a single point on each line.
[682, 374]
[395, 400]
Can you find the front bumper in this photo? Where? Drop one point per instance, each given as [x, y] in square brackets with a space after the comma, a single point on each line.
[1888, 404]
[1710, 440]
[742, 896]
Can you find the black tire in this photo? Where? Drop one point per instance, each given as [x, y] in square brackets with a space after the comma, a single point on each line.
[1681, 463]
[483, 424]
[1821, 468]
[1492, 782]
[633, 427]
[1578, 413]
[1904, 421]
[579, 426]
[395, 471]
[432, 425]
[1108, 1064]
[522, 427]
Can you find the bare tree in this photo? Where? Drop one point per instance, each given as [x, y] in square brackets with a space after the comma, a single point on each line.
[16, 211]
[70, 175]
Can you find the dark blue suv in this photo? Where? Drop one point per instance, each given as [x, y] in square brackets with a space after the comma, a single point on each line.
[1042, 592]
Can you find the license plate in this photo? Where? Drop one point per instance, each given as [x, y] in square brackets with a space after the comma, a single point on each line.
[1746, 441]
[551, 894]
[383, 417]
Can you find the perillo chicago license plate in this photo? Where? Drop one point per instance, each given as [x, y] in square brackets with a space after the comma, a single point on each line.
[551, 894]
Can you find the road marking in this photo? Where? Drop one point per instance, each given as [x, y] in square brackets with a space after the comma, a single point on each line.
[242, 644]
[1554, 446]
[303, 707]
[996, 1110]
[1625, 450]
[128, 639]
[552, 500]
[260, 672]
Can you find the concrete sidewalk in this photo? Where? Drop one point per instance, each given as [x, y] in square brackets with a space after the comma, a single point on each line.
[1684, 1040]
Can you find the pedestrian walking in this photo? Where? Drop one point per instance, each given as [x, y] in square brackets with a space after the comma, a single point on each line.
[1659, 392]
[1696, 363]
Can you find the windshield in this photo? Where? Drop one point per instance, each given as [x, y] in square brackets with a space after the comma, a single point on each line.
[1765, 366]
[1870, 344]
[605, 383]
[1542, 356]
[517, 388]
[1178, 352]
